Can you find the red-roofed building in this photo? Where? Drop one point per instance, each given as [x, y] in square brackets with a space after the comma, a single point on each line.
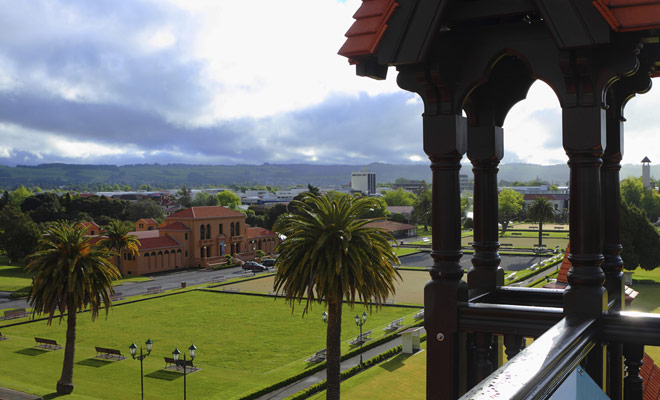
[92, 228]
[146, 224]
[397, 229]
[262, 239]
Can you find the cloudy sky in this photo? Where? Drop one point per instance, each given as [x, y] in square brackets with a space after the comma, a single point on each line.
[225, 82]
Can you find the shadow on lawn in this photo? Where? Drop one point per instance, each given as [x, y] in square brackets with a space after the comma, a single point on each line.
[94, 362]
[395, 363]
[53, 395]
[165, 375]
[31, 351]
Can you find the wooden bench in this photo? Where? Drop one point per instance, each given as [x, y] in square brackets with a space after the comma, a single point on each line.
[516, 233]
[394, 325]
[170, 363]
[47, 343]
[319, 356]
[361, 338]
[117, 296]
[154, 290]
[16, 313]
[419, 315]
[507, 245]
[108, 353]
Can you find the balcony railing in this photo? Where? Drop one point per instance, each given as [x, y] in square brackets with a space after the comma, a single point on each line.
[206, 242]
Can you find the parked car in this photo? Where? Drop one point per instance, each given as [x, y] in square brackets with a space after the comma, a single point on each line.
[254, 266]
[268, 262]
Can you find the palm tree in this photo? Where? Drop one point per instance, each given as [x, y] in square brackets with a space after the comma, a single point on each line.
[328, 256]
[541, 211]
[117, 239]
[69, 275]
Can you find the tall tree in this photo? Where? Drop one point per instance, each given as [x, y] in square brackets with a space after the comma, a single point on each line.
[422, 209]
[399, 197]
[510, 204]
[117, 239]
[330, 256]
[70, 275]
[19, 235]
[640, 240]
[541, 211]
[144, 208]
[632, 190]
[228, 199]
[184, 196]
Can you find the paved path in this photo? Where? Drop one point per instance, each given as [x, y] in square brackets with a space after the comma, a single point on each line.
[8, 394]
[320, 376]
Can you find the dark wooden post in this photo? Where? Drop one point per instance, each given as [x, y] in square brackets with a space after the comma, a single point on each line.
[634, 384]
[485, 150]
[583, 140]
[444, 142]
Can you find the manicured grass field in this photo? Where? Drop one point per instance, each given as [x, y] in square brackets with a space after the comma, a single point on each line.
[403, 377]
[642, 276]
[12, 276]
[400, 251]
[244, 342]
[409, 290]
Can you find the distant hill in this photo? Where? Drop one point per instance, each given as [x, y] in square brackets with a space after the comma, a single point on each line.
[173, 175]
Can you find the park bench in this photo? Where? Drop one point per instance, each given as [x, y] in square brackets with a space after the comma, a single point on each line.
[219, 279]
[516, 233]
[108, 353]
[47, 343]
[419, 314]
[154, 290]
[361, 338]
[507, 245]
[16, 313]
[533, 227]
[117, 296]
[394, 325]
[559, 227]
[170, 363]
[318, 356]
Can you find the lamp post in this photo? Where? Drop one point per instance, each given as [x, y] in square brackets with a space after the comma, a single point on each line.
[175, 354]
[133, 348]
[359, 322]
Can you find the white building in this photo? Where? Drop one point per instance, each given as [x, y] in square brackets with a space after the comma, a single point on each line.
[364, 182]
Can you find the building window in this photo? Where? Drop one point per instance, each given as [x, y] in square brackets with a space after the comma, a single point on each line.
[208, 231]
[146, 254]
[238, 229]
[231, 229]
[208, 252]
[201, 253]
[178, 251]
[220, 229]
[259, 244]
[201, 232]
[186, 253]
[185, 236]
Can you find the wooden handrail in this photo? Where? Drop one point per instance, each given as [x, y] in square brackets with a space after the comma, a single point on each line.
[504, 319]
[537, 371]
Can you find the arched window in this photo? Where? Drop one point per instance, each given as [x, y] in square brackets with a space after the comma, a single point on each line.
[160, 253]
[178, 251]
[166, 252]
[153, 253]
[231, 229]
[146, 254]
[259, 244]
[201, 232]
[238, 229]
[208, 231]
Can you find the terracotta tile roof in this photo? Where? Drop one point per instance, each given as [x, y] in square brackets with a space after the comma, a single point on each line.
[158, 243]
[630, 15]
[650, 373]
[90, 225]
[205, 212]
[390, 225]
[255, 232]
[145, 234]
[175, 226]
[562, 277]
[148, 220]
[367, 30]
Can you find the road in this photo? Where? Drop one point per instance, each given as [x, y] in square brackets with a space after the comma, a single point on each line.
[509, 263]
[166, 280]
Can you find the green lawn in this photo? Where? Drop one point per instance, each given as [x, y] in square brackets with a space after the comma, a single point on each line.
[244, 342]
[642, 276]
[400, 251]
[403, 376]
[12, 276]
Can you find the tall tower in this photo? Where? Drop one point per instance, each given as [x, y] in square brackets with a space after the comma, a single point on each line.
[646, 173]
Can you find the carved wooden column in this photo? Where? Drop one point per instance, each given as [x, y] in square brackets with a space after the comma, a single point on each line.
[444, 142]
[634, 384]
[485, 150]
[584, 140]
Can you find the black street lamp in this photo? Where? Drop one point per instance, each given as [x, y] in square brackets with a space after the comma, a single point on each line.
[359, 322]
[133, 348]
[175, 354]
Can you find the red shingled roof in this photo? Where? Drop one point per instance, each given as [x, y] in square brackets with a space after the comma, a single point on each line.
[630, 15]
[255, 232]
[205, 212]
[158, 243]
[175, 226]
[367, 30]
[650, 373]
